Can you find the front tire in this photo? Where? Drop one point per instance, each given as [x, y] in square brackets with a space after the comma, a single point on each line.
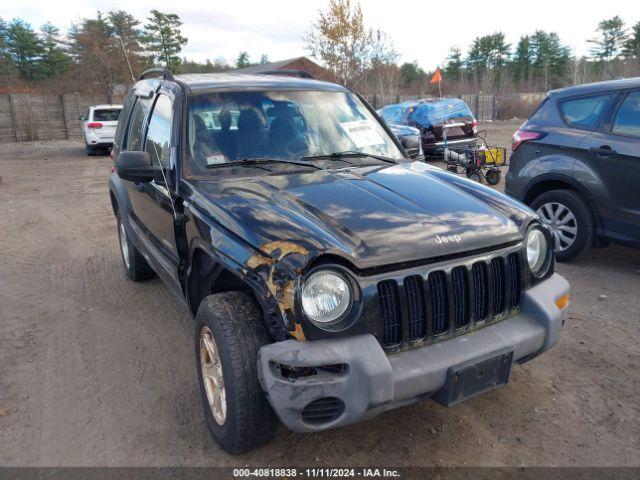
[570, 220]
[229, 333]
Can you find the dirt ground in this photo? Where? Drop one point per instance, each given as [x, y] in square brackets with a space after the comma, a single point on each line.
[96, 370]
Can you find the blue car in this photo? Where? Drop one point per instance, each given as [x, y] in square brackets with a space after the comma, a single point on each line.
[436, 118]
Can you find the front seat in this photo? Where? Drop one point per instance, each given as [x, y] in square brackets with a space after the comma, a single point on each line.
[283, 138]
[251, 134]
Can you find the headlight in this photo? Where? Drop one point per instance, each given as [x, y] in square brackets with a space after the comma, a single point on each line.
[537, 251]
[326, 296]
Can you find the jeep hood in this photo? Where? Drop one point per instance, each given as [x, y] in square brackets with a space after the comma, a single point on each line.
[370, 215]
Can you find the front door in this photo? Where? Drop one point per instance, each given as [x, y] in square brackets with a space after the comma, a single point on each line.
[152, 206]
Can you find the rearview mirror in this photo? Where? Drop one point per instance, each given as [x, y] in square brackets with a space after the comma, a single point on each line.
[82, 118]
[136, 167]
[411, 144]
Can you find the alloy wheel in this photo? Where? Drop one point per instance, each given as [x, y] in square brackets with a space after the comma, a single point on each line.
[562, 222]
[124, 245]
[212, 376]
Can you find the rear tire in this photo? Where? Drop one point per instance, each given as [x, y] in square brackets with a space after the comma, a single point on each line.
[91, 151]
[135, 265]
[234, 322]
[569, 218]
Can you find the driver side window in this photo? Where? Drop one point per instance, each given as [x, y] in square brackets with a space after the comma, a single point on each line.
[158, 143]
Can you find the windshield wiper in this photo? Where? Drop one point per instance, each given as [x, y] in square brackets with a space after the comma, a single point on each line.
[261, 161]
[349, 154]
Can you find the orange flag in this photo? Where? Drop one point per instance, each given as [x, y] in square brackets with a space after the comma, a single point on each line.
[436, 77]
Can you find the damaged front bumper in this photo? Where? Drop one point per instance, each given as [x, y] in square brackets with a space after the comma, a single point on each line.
[352, 378]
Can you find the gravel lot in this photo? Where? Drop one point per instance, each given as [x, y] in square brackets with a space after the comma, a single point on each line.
[98, 371]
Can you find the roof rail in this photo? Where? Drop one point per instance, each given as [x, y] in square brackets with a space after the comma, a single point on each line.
[166, 73]
[289, 73]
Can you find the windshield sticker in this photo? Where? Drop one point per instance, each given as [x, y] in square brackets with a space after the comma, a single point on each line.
[216, 160]
[362, 134]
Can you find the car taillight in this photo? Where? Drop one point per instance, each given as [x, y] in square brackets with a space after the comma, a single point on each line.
[474, 125]
[522, 136]
[94, 125]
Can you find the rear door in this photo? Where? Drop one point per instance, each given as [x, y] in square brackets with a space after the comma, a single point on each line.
[108, 119]
[615, 157]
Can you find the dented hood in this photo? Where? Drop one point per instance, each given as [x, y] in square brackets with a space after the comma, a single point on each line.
[370, 215]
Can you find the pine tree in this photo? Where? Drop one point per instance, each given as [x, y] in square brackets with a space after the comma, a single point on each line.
[163, 39]
[608, 44]
[243, 60]
[25, 49]
[55, 60]
[7, 67]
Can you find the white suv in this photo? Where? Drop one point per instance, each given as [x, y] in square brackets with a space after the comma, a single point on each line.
[99, 127]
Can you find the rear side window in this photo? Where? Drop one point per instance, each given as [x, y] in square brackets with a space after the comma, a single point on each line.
[106, 115]
[159, 133]
[122, 124]
[627, 121]
[585, 112]
[137, 124]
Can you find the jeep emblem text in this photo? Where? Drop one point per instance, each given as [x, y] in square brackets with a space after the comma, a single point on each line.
[448, 238]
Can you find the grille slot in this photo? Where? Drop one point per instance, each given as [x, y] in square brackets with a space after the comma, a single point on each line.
[460, 296]
[414, 290]
[322, 410]
[497, 285]
[439, 302]
[481, 293]
[390, 307]
[513, 280]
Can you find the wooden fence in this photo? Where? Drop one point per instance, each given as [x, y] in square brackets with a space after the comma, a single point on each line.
[26, 117]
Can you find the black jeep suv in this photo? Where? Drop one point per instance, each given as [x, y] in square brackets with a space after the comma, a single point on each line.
[331, 277]
[576, 161]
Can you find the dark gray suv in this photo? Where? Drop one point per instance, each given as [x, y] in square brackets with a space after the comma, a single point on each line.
[576, 161]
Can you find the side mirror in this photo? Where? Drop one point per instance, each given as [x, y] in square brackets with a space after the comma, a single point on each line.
[136, 167]
[411, 144]
[82, 118]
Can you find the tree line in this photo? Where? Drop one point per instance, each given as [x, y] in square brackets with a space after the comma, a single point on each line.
[367, 60]
[103, 52]
[108, 51]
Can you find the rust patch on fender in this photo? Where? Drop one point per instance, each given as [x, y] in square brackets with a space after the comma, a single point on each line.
[281, 285]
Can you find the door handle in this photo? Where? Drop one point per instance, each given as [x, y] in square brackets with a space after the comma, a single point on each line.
[604, 150]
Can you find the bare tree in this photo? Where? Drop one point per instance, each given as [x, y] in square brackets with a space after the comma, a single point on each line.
[340, 41]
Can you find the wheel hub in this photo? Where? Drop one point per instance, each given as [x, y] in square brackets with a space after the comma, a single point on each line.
[562, 223]
[212, 376]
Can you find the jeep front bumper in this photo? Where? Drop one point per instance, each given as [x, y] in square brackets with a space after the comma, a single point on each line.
[374, 382]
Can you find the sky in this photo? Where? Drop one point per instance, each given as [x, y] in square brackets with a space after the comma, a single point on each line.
[222, 29]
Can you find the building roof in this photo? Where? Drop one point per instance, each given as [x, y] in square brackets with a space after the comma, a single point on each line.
[279, 65]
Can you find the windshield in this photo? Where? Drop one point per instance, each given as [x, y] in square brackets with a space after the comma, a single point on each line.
[227, 127]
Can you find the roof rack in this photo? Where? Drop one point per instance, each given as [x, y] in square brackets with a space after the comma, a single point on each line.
[289, 73]
[166, 73]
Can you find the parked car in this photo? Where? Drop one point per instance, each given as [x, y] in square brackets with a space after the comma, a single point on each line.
[99, 127]
[410, 139]
[576, 161]
[440, 120]
[331, 277]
